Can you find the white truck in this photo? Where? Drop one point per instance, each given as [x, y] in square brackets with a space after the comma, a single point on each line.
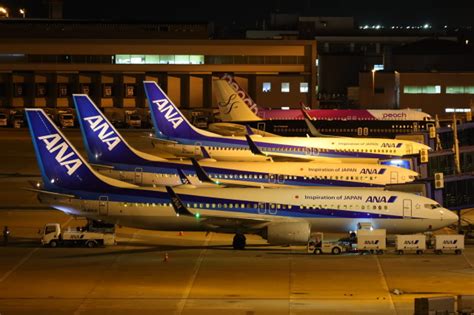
[371, 240]
[53, 236]
[317, 245]
[65, 119]
[414, 242]
[449, 243]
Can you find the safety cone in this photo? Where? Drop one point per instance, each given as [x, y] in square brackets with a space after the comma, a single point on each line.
[180, 233]
[166, 258]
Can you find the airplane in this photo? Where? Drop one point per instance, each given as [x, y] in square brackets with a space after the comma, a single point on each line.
[291, 122]
[281, 216]
[182, 138]
[112, 155]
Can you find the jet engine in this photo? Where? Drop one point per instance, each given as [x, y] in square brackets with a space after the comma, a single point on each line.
[289, 233]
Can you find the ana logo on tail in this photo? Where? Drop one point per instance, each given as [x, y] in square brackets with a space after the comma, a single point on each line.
[171, 115]
[97, 123]
[53, 144]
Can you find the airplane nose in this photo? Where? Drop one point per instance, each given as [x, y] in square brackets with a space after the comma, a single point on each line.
[449, 216]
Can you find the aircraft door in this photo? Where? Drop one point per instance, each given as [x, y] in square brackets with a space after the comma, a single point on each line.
[365, 131]
[359, 131]
[261, 126]
[415, 127]
[262, 208]
[103, 205]
[407, 209]
[409, 149]
[272, 209]
[280, 179]
[197, 149]
[272, 178]
[393, 177]
[138, 179]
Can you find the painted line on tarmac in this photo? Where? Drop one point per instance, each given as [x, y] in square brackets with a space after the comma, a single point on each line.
[385, 285]
[24, 259]
[82, 306]
[467, 259]
[190, 285]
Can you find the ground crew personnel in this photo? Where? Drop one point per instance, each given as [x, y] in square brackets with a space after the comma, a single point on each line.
[6, 233]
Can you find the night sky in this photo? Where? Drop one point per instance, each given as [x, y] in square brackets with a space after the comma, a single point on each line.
[248, 12]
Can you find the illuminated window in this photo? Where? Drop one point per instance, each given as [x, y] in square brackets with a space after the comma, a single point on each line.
[266, 87]
[285, 87]
[304, 88]
[460, 90]
[426, 89]
[159, 59]
[107, 90]
[378, 67]
[457, 110]
[130, 90]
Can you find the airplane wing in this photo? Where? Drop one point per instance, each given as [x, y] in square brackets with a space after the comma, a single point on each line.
[205, 178]
[274, 155]
[49, 192]
[222, 220]
[101, 166]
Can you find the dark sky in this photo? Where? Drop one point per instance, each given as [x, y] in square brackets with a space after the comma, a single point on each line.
[248, 11]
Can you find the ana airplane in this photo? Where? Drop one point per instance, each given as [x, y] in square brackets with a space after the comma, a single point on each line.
[342, 122]
[187, 140]
[111, 155]
[282, 216]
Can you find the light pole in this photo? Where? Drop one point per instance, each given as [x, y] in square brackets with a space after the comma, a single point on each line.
[3, 12]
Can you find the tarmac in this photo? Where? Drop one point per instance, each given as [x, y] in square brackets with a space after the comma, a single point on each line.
[202, 273]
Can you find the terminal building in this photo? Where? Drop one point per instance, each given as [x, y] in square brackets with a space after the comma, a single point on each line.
[42, 63]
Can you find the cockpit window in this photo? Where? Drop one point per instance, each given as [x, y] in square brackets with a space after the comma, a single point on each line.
[432, 206]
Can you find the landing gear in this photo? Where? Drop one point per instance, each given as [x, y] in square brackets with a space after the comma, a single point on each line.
[239, 241]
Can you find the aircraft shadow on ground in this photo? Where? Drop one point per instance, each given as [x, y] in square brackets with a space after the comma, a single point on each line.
[149, 248]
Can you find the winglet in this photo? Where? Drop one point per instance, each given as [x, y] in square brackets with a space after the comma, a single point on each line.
[201, 173]
[253, 147]
[312, 130]
[184, 179]
[249, 130]
[178, 205]
[204, 152]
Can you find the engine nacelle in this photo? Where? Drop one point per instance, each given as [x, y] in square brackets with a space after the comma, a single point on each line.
[290, 233]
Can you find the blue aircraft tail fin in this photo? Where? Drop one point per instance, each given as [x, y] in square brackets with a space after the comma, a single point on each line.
[102, 141]
[61, 166]
[168, 120]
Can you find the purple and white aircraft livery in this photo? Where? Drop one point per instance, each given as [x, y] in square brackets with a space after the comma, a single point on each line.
[342, 122]
[184, 139]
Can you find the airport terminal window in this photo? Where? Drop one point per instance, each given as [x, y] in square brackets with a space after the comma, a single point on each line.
[63, 90]
[85, 88]
[159, 59]
[266, 87]
[41, 90]
[460, 90]
[107, 90]
[304, 88]
[285, 87]
[130, 90]
[18, 90]
[425, 89]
